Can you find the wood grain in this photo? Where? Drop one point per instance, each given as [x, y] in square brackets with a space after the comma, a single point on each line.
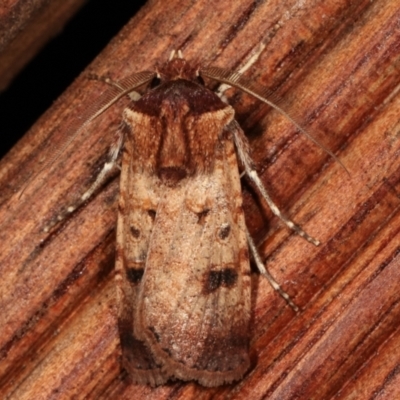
[25, 26]
[336, 63]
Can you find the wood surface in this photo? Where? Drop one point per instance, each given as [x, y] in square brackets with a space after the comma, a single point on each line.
[25, 26]
[336, 64]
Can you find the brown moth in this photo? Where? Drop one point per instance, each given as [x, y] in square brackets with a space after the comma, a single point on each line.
[183, 264]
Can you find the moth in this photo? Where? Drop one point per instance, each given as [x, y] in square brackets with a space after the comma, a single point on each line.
[183, 249]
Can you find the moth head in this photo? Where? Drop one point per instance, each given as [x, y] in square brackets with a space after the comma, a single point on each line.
[177, 68]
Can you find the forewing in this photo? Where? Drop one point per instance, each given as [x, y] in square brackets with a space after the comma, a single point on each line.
[137, 205]
[193, 309]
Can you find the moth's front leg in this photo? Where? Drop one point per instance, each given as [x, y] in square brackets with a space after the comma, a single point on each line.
[107, 168]
[244, 157]
[101, 178]
[251, 173]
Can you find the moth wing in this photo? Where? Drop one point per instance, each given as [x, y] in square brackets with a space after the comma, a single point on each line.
[193, 309]
[135, 221]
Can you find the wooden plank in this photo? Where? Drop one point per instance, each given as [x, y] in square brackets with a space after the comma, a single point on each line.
[336, 65]
[25, 27]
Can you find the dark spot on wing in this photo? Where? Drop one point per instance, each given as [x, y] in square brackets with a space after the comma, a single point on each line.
[135, 232]
[134, 275]
[152, 214]
[202, 216]
[226, 277]
[224, 231]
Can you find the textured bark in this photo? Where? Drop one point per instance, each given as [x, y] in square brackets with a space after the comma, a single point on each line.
[25, 26]
[336, 64]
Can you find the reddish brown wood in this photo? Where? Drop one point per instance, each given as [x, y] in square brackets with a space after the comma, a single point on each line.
[25, 26]
[336, 64]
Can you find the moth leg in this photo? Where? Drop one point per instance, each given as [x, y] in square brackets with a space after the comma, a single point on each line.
[101, 178]
[242, 148]
[108, 166]
[266, 273]
[252, 174]
[243, 155]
